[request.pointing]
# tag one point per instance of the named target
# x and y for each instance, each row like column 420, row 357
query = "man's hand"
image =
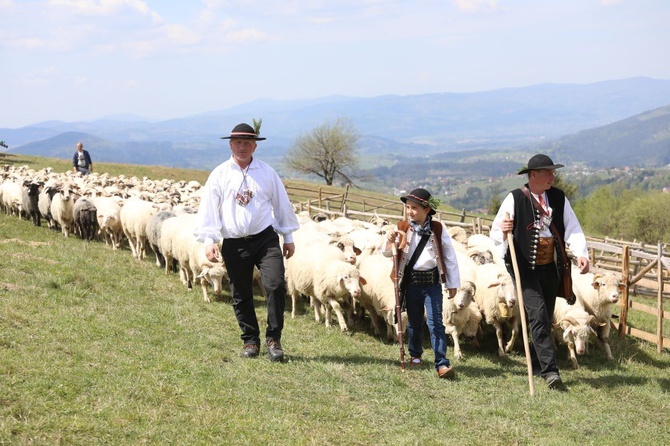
column 507, row 225
column 583, row 265
column 212, row 253
column 452, row 292
column 289, row 249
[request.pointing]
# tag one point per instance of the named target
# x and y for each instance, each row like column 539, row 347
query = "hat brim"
column 554, row 167
column 404, row 200
column 254, row 138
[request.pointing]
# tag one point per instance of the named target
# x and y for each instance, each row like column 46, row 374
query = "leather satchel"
column 565, row 281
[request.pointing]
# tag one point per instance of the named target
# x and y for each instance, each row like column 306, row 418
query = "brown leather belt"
column 545, row 251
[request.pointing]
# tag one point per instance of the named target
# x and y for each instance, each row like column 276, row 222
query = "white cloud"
column 610, row 2
column 246, row 36
column 104, row 7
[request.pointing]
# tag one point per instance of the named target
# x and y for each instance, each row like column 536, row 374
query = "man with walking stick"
column 541, row 221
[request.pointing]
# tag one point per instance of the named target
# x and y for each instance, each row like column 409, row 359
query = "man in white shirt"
column 245, row 205
column 539, row 253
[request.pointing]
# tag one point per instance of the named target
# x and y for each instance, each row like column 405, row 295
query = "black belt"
column 249, row 238
column 430, row 277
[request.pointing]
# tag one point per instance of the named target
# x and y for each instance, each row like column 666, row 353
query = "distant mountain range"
column 614, row 123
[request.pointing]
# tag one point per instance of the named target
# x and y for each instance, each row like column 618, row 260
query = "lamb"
column 573, row 325
column 461, row 315
column 597, row 293
column 319, row 274
column 209, row 273
column 62, row 209
column 109, row 220
column 30, row 204
column 496, row 297
column 85, row 218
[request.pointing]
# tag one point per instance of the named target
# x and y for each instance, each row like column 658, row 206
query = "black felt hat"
column 421, row 196
column 243, row 131
column 539, row 162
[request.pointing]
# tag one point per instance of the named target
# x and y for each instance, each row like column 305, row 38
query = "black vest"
column 526, row 235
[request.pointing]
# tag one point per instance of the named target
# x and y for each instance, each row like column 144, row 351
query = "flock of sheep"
column 336, row 263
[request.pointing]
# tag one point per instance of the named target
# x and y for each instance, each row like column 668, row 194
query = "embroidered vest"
column 435, row 241
column 526, row 235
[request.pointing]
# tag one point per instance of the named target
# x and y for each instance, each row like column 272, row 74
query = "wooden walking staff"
column 398, row 309
column 522, row 310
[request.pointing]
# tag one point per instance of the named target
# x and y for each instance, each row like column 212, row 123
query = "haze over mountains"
column 611, row 123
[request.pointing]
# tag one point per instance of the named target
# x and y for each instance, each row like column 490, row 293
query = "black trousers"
column 539, row 299
column 241, row 255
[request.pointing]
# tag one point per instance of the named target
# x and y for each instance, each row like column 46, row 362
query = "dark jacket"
column 87, row 159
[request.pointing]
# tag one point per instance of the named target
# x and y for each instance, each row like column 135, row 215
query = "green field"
column 99, row 348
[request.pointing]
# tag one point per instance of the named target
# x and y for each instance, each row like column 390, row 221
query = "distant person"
column 245, row 205
column 426, row 265
column 81, row 161
column 539, row 247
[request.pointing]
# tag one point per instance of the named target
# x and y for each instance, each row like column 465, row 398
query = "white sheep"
column 135, row 214
column 496, row 297
column 62, row 209
column 109, row 220
column 44, row 203
column 12, row 197
column 597, row 293
column 573, row 325
column 320, row 274
column 378, row 291
column 461, row 315
column 483, row 249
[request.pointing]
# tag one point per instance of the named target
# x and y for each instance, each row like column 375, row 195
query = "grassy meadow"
column 99, row 348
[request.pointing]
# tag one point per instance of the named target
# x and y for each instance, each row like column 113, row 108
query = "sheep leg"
column 499, row 335
column 453, row 331
column 515, row 334
column 338, row 312
column 317, row 310
column 571, row 353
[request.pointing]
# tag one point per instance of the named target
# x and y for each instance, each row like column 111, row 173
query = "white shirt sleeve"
column 208, row 221
column 574, row 236
column 450, row 262
column 496, row 231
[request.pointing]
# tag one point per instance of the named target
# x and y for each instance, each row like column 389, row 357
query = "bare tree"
column 328, row 151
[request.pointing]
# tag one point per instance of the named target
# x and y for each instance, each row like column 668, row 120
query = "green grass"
column 98, row 348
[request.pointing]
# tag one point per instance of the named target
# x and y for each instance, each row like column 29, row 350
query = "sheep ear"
column 622, row 287
column 362, row 281
column 494, row 284
column 357, row 251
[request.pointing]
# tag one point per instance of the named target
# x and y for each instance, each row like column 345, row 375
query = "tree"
column 328, row 151
column 495, row 201
column 571, row 190
column 3, row 144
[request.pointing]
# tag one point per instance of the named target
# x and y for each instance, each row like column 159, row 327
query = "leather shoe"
column 275, row 352
column 446, row 372
column 249, row 351
column 554, row 381
column 415, row 361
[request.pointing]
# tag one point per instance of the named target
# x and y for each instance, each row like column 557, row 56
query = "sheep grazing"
column 597, row 293
column 62, row 209
column 85, row 218
column 573, row 325
column 461, row 315
column 31, row 192
column 321, row 275
column 496, row 297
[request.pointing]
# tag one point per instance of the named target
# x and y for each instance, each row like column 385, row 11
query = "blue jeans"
column 418, row 297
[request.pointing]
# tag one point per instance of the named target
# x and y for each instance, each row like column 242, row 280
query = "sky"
column 80, row 60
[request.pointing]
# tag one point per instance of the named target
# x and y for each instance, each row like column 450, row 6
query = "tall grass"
column 99, row 348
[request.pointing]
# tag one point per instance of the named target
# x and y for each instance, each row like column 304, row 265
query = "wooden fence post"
column 623, row 316
column 320, row 204
column 344, row 196
column 659, row 319
column 463, row 216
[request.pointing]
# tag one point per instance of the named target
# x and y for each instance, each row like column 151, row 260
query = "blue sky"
column 84, row 59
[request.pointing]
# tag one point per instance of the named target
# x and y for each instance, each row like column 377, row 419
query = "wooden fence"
column 645, row 270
